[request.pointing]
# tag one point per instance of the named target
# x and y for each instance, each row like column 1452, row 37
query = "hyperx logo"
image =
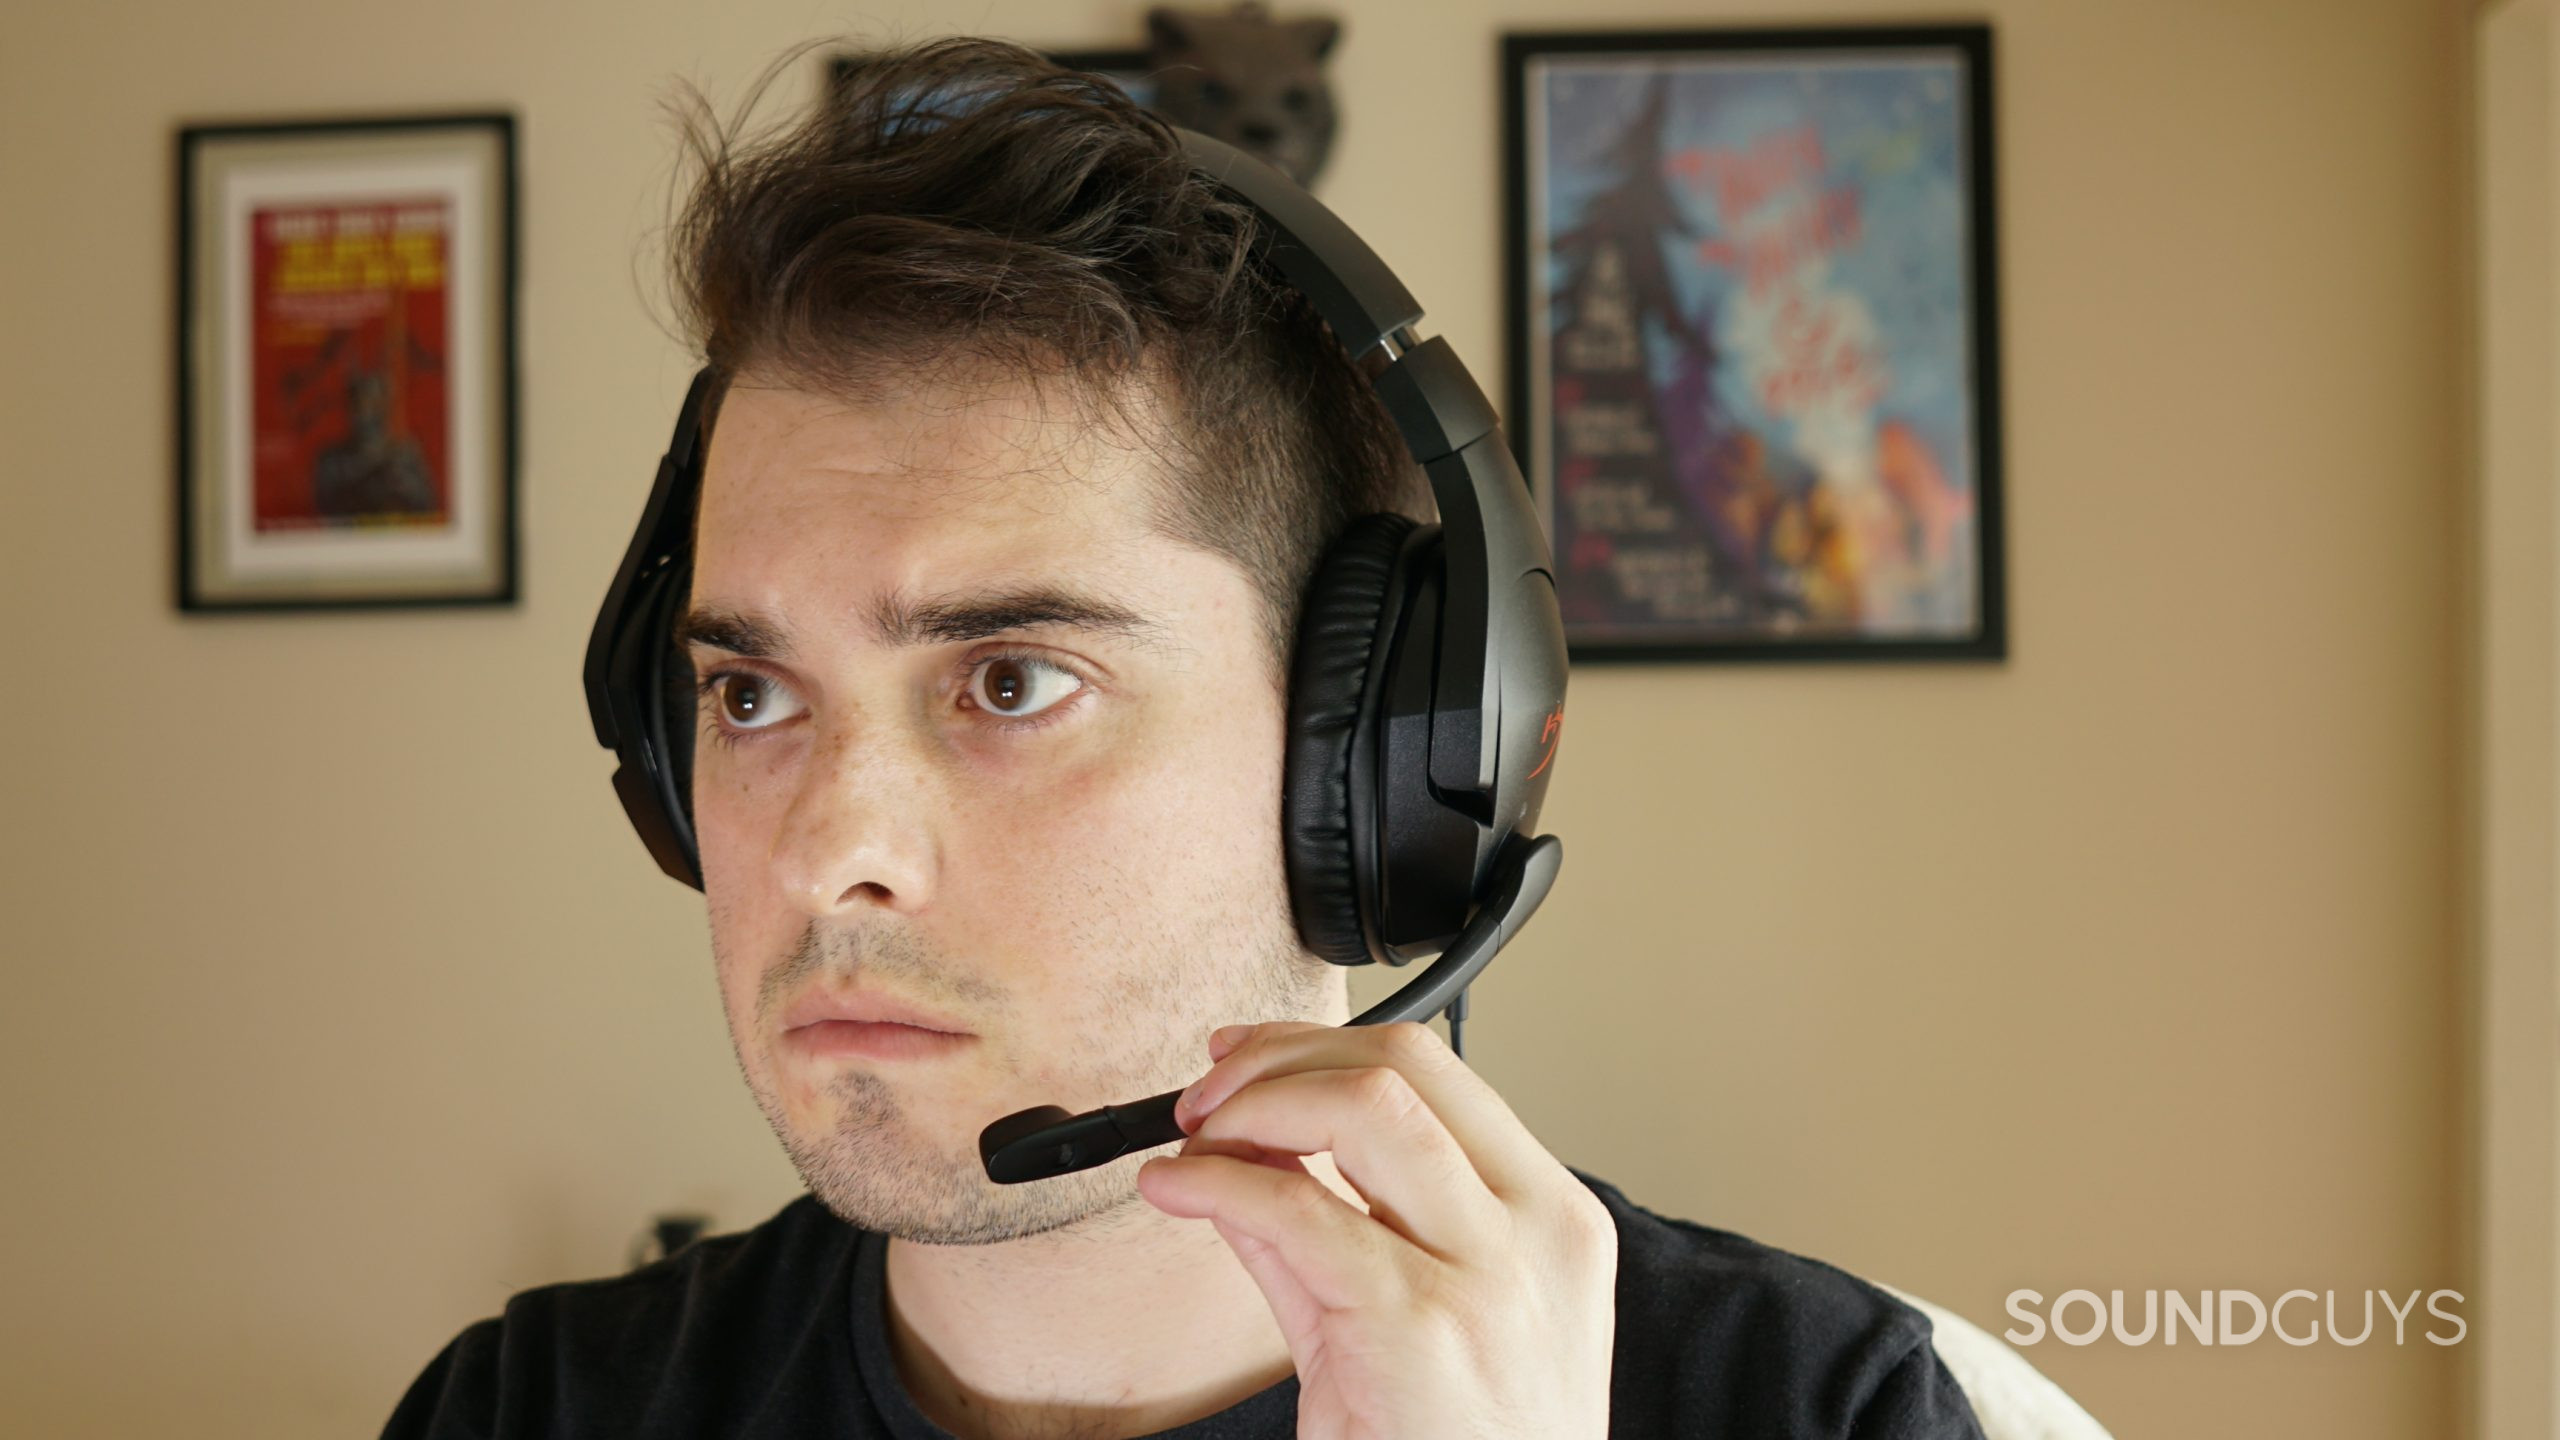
column 1547, row 737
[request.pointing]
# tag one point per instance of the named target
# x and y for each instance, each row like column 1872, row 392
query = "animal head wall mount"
column 1245, row 78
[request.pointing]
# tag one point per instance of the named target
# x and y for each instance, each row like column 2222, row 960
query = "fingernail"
column 1228, row 1037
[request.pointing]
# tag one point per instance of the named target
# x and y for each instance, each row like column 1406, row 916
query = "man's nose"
column 859, row 831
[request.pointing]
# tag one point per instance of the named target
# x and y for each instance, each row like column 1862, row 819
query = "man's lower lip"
column 875, row 1040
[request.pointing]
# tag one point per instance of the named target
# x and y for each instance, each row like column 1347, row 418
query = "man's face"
column 987, row 766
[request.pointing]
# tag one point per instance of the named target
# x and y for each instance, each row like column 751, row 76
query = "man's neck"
column 1126, row 1324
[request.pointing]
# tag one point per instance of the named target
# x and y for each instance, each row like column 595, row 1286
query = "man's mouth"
column 872, row 1027
column 874, row 1040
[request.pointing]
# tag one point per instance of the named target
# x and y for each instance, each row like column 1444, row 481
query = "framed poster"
column 346, row 363
column 1754, row 340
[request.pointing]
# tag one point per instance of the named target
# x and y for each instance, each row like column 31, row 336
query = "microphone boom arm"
column 1043, row 1142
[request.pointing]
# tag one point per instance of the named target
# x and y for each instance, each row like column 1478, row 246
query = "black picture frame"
column 1739, row 614
column 410, row 522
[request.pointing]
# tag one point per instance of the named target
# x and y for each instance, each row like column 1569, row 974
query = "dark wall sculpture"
column 1248, row 79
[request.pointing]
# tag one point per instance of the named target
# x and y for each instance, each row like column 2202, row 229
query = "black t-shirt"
column 779, row 1331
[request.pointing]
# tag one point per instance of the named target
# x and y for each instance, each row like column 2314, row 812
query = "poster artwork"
column 350, row 330
column 1756, row 355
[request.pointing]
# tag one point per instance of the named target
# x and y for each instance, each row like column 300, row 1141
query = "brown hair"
column 966, row 201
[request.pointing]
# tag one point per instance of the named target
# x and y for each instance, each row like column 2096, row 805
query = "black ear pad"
column 677, row 705
column 652, row 681
column 1338, row 631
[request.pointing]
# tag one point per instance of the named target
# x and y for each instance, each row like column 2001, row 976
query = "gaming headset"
column 1425, row 695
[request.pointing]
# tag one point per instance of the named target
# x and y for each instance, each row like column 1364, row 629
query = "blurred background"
column 341, row 1002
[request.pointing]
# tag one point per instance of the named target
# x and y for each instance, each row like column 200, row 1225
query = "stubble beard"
column 879, row 1169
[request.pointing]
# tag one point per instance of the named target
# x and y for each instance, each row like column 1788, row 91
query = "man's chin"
column 879, row 1169
column 936, row 1198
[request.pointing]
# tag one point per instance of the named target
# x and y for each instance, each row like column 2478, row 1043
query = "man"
column 1019, row 473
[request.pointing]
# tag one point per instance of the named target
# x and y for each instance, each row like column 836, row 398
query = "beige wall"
column 340, row 1002
column 2514, row 740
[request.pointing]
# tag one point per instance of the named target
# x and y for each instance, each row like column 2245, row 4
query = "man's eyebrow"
column 899, row 621
column 739, row 634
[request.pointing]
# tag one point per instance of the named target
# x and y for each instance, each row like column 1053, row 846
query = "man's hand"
column 1476, row 1297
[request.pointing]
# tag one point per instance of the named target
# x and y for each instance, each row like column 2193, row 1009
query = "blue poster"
column 1755, row 391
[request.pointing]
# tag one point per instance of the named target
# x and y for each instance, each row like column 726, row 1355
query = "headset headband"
column 1449, row 429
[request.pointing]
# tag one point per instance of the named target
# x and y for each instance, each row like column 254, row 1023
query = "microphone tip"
column 1016, row 1126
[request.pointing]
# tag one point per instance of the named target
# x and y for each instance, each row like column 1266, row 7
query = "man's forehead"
column 1057, row 536
column 941, row 429
column 973, row 477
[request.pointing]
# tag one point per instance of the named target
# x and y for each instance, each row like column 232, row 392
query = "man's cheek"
column 722, row 821
column 738, row 1003
column 1114, row 796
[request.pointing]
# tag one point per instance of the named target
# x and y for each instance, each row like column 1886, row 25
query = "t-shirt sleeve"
column 1918, row 1399
column 455, row 1397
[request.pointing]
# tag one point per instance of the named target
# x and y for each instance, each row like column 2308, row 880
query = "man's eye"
column 749, row 702
column 1015, row 686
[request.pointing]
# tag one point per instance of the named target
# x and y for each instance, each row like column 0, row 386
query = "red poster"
column 350, row 328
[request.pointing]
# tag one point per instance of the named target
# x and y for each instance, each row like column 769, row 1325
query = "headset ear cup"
column 678, row 718
column 642, row 672
column 672, row 713
column 1337, row 637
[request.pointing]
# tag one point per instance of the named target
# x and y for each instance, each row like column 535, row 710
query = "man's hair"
column 966, row 203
